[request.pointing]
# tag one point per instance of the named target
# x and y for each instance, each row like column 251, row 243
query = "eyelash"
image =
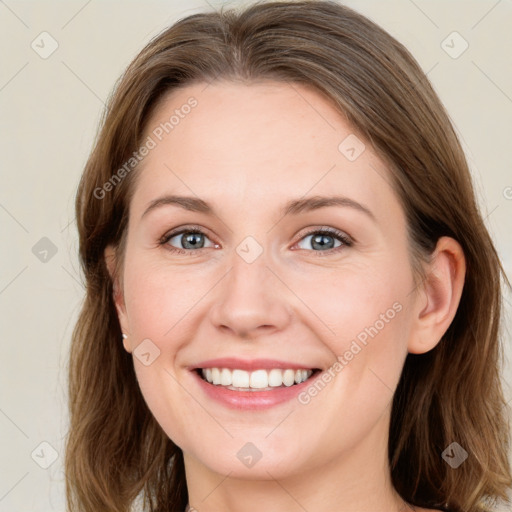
column 342, row 237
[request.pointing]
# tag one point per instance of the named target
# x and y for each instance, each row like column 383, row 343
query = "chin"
column 247, row 462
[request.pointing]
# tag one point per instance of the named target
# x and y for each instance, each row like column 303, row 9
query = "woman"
column 292, row 300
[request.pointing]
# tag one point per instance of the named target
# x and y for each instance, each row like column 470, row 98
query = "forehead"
column 254, row 141
column 272, row 120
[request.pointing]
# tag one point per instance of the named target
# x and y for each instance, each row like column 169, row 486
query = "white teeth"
column 275, row 377
column 240, row 378
column 259, row 379
column 225, row 377
column 256, row 380
column 289, row 377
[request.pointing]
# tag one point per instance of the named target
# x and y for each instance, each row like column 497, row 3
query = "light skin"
column 247, row 149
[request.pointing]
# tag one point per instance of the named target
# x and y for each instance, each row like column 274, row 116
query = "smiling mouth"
column 257, row 380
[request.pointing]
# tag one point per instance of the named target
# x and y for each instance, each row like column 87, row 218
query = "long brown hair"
column 116, row 451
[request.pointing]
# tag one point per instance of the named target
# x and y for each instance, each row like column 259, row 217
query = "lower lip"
column 254, row 400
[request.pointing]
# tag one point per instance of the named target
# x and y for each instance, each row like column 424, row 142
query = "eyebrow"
column 292, row 207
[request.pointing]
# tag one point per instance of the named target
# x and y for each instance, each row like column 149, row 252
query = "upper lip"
column 234, row 363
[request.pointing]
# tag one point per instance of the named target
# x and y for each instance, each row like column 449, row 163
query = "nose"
column 251, row 300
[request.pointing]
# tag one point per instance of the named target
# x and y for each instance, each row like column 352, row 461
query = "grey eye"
column 189, row 240
column 322, row 241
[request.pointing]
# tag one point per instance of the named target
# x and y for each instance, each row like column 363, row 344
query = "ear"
column 118, row 296
column 439, row 296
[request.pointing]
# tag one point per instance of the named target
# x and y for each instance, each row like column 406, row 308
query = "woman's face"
column 265, row 169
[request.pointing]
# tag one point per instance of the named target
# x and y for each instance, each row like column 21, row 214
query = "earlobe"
column 126, row 343
column 440, row 296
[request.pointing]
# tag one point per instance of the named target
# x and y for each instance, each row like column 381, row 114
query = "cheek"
column 157, row 298
column 372, row 347
column 359, row 304
column 159, row 304
column 368, row 312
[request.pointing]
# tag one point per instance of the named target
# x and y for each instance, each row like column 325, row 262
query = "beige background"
column 49, row 110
